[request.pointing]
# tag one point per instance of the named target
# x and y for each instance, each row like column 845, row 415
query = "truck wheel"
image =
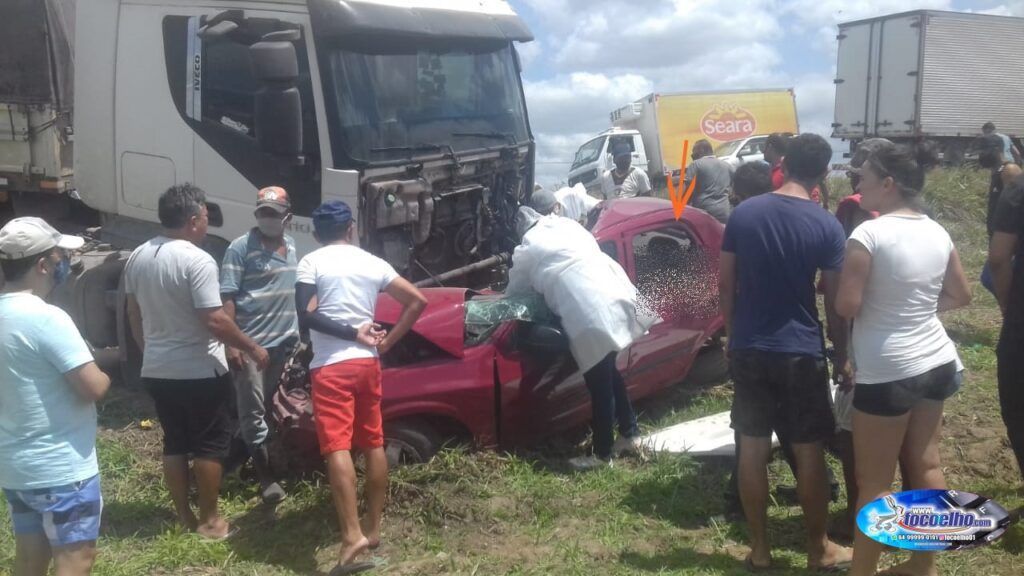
column 412, row 441
column 131, row 356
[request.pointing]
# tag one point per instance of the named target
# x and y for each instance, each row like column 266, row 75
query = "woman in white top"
column 901, row 269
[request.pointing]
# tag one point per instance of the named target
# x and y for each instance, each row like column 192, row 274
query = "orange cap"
column 273, row 197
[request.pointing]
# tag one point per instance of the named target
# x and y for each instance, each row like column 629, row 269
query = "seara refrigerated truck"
column 656, row 126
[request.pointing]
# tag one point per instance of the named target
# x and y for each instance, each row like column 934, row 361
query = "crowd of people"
column 215, row 337
column 214, row 340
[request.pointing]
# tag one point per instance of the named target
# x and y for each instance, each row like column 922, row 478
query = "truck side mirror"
column 278, row 102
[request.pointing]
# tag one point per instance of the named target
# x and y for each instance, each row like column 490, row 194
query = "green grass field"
column 484, row 513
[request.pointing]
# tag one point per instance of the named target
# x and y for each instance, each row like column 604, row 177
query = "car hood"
column 443, row 322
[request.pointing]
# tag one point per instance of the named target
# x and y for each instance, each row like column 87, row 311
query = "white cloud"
column 1015, row 8
column 598, row 55
column 568, row 109
column 821, row 17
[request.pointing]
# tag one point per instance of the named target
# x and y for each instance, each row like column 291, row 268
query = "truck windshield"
column 392, row 106
column 588, row 152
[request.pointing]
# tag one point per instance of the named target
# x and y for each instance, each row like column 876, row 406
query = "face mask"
column 62, row 271
column 272, row 227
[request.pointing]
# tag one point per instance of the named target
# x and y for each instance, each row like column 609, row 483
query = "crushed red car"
column 515, row 383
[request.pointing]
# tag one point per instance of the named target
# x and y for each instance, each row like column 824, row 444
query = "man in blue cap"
column 345, row 370
column 624, row 181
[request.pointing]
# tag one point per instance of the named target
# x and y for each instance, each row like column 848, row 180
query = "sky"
column 590, row 57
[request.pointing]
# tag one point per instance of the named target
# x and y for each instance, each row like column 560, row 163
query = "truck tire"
column 411, row 441
column 131, row 355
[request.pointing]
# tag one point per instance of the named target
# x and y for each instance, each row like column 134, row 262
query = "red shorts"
column 346, row 405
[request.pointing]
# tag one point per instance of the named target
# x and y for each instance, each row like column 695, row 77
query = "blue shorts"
column 66, row 514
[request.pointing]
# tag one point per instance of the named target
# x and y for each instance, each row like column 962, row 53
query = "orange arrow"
column 681, row 198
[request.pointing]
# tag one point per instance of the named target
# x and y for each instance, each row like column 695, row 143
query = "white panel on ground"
column 707, row 436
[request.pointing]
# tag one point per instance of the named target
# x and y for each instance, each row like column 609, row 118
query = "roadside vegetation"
column 484, row 513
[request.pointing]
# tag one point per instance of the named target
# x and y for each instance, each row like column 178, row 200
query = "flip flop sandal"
column 352, row 568
column 207, row 540
column 832, row 568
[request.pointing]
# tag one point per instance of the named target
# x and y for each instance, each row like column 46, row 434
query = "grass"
column 485, row 513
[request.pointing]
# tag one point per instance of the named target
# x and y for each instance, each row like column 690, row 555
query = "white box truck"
column 656, row 126
column 929, row 74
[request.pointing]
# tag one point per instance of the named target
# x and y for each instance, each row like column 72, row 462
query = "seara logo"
column 933, row 520
column 727, row 121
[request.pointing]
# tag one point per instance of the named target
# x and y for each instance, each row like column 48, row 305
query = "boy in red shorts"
column 345, row 369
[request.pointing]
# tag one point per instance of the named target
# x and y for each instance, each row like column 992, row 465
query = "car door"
column 540, row 394
column 752, row 150
column 676, row 278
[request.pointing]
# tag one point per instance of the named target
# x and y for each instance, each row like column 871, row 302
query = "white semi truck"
column 411, row 111
column 929, row 75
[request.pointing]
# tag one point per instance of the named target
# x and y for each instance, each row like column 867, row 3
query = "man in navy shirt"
column 774, row 246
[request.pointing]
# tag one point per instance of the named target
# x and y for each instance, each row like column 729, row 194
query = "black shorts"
column 195, row 415
column 787, row 393
column 898, row 397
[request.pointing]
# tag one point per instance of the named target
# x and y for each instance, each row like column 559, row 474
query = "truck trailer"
column 36, row 100
column 928, row 75
column 655, row 127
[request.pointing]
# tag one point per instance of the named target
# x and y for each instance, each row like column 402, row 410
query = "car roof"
column 617, row 214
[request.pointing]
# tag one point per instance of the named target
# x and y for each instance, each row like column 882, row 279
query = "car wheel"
column 411, row 441
column 709, row 367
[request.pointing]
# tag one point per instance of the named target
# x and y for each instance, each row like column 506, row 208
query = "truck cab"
column 414, row 116
column 410, row 112
column 595, row 157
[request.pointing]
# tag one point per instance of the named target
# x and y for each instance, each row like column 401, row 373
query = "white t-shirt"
column 171, row 279
column 897, row 333
column 575, row 201
column 348, row 280
column 636, row 183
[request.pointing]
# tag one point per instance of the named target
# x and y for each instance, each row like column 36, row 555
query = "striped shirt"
column 262, row 283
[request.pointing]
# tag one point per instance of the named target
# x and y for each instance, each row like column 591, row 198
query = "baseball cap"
column 29, row 236
column 273, row 197
column 621, row 149
column 331, row 215
column 543, row 201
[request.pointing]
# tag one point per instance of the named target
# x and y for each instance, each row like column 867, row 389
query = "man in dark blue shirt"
column 773, row 248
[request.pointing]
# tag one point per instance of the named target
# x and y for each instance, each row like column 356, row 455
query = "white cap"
column 28, row 236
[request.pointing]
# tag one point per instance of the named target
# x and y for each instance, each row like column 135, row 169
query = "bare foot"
column 216, row 529
column 834, row 556
column 916, row 566
column 349, row 552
